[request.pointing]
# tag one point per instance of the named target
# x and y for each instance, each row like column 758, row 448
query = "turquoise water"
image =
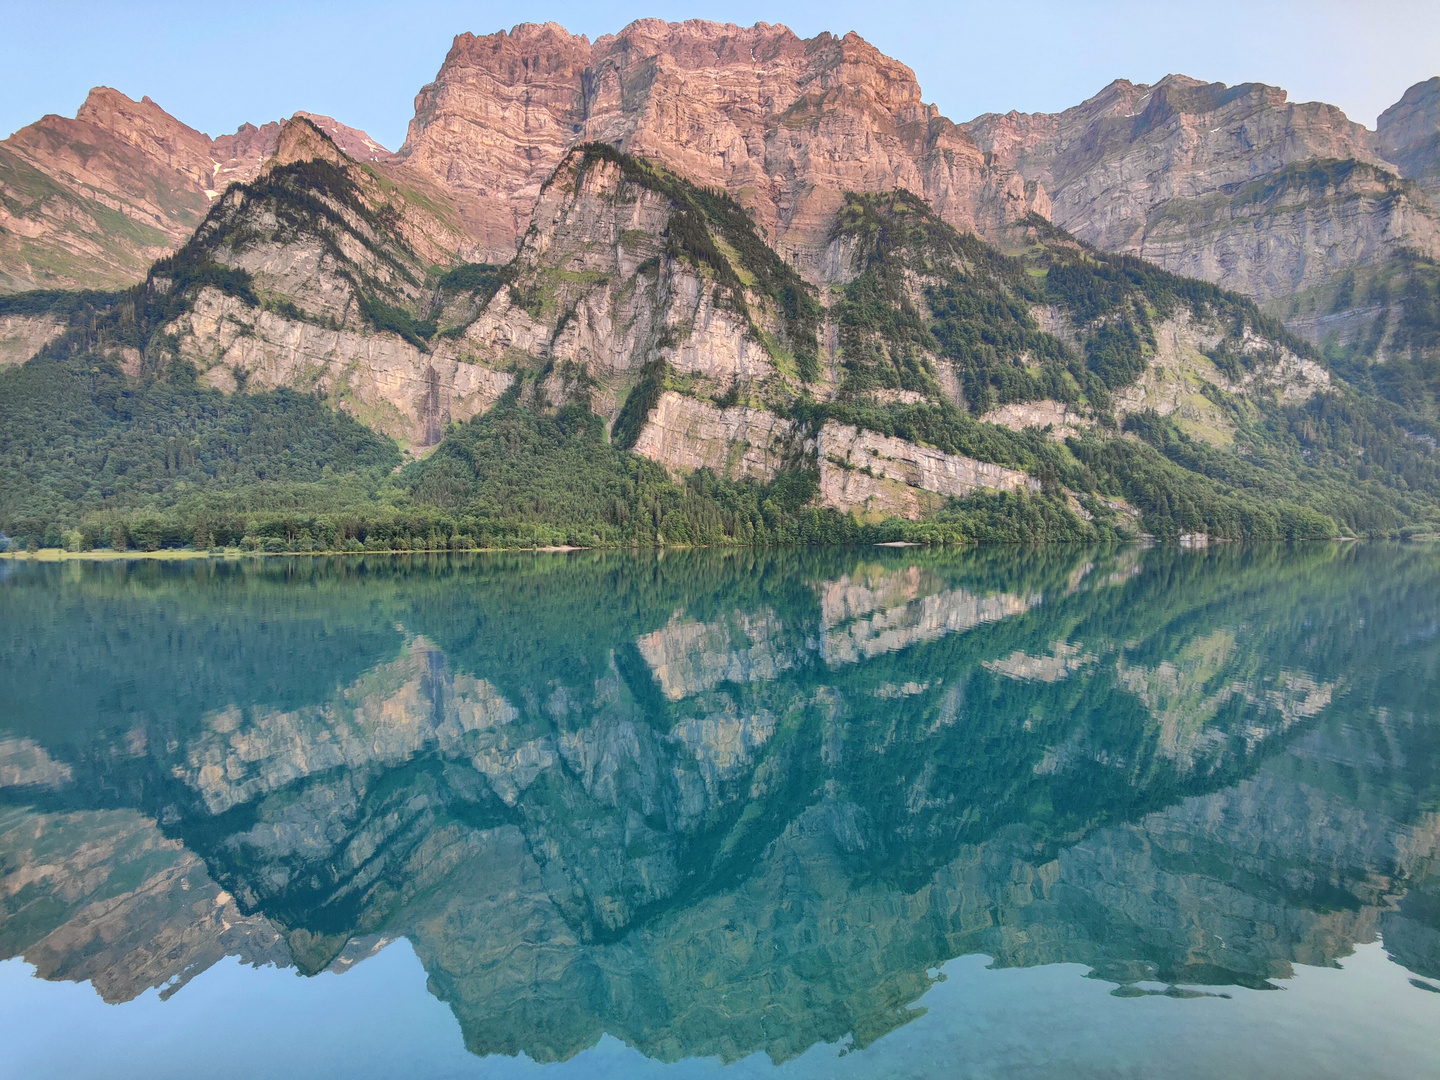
column 1007, row 812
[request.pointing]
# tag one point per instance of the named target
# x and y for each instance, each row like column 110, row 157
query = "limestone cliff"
column 22, row 336
column 909, row 333
column 336, row 292
column 1408, row 135
column 624, row 265
column 1316, row 216
column 1235, row 185
column 782, row 123
column 313, row 264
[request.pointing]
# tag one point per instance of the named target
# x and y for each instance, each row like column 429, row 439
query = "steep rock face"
column 1297, row 230
column 381, row 379
column 103, row 896
column 685, row 434
column 1408, row 134
column 878, row 475
column 22, row 336
column 860, row 471
column 91, row 202
column 329, row 279
column 784, row 124
column 152, row 131
column 1235, row 185
column 596, row 286
column 604, row 283
column 81, row 206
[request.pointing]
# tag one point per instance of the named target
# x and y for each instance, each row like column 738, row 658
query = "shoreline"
column 187, row 554
column 57, row 555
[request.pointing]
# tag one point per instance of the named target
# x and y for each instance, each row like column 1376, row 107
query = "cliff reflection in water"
column 715, row 803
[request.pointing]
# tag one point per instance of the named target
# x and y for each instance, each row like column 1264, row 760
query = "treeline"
column 516, row 477
column 990, row 517
column 78, row 436
column 95, row 459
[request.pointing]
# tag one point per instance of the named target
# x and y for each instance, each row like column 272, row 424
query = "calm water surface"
column 1057, row 812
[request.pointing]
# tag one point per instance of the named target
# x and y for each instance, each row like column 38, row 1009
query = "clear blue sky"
column 216, row 65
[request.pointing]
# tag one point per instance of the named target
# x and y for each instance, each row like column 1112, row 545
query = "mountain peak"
column 150, row 129
column 301, row 139
column 1415, row 116
column 787, row 125
column 354, row 142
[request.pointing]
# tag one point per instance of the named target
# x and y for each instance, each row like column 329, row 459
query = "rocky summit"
column 786, row 125
column 696, row 283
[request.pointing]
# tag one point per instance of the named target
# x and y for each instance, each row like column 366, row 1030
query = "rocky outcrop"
column 354, row 142
column 382, row 380
column 91, row 202
column 784, row 124
column 873, row 474
column 685, row 434
column 25, row 764
column 861, row 471
column 324, row 282
column 1181, row 378
column 1059, row 417
column 22, row 336
column 597, row 286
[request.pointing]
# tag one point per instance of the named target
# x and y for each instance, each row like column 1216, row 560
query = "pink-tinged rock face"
column 127, row 157
column 784, row 124
column 1412, row 119
column 1408, row 134
column 151, row 130
column 355, row 143
column 1233, row 184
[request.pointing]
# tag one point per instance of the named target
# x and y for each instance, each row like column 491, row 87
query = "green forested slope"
column 1345, row 461
column 79, row 438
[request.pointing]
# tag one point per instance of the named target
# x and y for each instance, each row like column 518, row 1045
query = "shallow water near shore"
column 836, row 812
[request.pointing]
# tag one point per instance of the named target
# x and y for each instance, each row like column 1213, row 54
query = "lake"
column 815, row 813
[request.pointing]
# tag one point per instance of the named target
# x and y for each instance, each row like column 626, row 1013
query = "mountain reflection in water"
column 719, row 803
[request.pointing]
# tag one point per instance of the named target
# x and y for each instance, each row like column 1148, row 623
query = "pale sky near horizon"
column 215, row 67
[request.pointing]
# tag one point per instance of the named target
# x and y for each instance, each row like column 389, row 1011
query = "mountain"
column 785, row 125
column 1185, row 174
column 92, row 202
column 795, row 343
column 1058, row 393
column 1331, row 226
